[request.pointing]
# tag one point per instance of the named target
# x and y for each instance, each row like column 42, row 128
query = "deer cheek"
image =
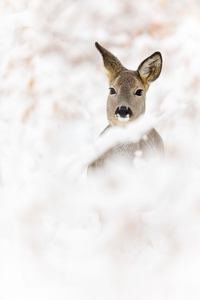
column 110, row 113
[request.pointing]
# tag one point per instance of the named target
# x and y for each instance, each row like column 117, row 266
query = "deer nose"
column 123, row 111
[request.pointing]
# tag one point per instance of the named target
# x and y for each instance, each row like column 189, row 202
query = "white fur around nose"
column 125, row 119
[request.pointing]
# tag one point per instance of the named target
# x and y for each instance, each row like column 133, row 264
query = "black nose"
column 123, row 111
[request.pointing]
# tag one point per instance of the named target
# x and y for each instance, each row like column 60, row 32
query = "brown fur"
column 126, row 83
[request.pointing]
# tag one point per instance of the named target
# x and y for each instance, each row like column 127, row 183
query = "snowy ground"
column 129, row 233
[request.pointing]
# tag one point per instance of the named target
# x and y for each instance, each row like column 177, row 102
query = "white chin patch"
column 125, row 119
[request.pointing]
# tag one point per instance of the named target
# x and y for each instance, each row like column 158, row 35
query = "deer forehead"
column 129, row 80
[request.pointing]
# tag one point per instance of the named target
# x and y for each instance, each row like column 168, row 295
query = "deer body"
column 126, row 102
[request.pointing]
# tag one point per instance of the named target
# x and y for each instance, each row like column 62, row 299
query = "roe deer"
column 126, row 102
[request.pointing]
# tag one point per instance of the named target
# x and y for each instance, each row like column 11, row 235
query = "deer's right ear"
column 111, row 63
column 150, row 68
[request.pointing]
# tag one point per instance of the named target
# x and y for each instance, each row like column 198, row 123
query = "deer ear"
column 111, row 63
column 150, row 68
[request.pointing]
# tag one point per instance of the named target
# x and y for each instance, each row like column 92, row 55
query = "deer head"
column 127, row 88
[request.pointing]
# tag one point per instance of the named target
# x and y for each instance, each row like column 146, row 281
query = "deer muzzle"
column 123, row 113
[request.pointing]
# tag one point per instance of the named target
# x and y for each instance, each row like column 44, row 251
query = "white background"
column 128, row 232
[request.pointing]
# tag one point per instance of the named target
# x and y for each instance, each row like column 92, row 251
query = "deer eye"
column 139, row 92
column 112, row 91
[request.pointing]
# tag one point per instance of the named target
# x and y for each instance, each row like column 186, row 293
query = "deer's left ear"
column 112, row 64
column 149, row 70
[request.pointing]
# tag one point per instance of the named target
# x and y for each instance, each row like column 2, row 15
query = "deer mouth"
column 123, row 113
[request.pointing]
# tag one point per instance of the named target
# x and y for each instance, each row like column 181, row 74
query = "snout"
column 123, row 113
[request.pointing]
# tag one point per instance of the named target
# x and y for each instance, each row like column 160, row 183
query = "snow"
column 127, row 232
